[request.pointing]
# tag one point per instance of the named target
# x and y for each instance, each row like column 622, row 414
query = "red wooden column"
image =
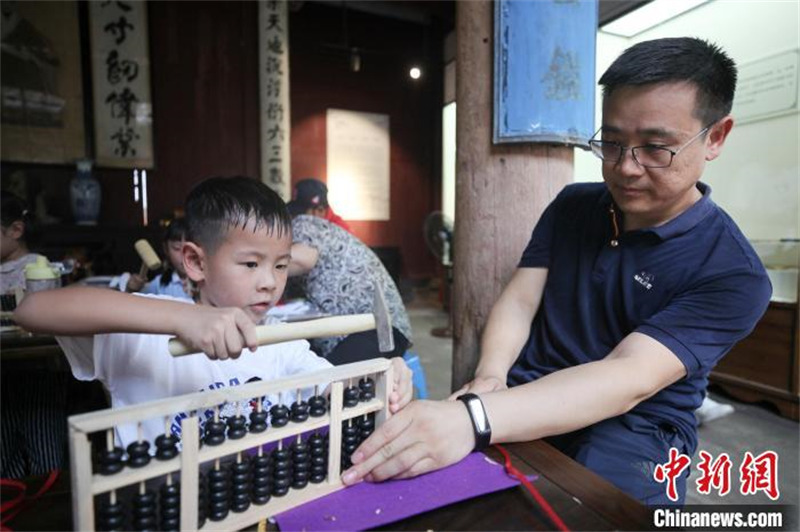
column 501, row 190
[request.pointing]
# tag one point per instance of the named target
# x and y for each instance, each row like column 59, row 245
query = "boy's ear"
column 16, row 230
column 194, row 261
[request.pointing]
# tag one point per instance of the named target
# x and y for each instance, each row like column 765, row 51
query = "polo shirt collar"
column 685, row 221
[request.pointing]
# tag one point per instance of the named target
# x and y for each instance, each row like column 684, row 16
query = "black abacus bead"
column 166, row 447
column 351, row 396
column 240, row 486
column 218, row 494
column 300, row 411
column 281, row 472
column 170, row 506
column 279, row 416
column 258, row 421
column 110, row 516
column 214, row 432
column 301, row 464
column 262, row 479
column 366, row 426
column 144, row 511
column 202, row 500
column 237, row 427
column 110, row 462
column 318, row 406
column 367, row 387
column 139, row 454
column 350, row 441
column 318, row 447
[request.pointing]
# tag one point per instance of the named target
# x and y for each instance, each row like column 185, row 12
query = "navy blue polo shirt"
column 693, row 284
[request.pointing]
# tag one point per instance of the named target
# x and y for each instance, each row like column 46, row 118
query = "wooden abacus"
column 263, row 484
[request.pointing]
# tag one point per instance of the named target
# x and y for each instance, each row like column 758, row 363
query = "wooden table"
column 582, row 499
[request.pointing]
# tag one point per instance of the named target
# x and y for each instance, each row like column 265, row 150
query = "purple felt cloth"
column 367, row 505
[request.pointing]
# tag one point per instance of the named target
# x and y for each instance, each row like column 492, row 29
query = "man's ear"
column 194, row 261
column 717, row 136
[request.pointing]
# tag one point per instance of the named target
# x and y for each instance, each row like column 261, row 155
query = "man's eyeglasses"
column 647, row 156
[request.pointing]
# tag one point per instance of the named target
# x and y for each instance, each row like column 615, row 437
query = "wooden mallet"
column 380, row 319
column 150, row 260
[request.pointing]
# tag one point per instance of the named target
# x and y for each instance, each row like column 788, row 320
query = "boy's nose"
column 266, row 281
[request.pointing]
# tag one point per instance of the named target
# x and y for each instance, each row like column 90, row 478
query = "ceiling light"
column 649, row 16
column 415, row 73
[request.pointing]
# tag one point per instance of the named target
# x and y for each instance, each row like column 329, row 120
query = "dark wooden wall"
column 204, row 78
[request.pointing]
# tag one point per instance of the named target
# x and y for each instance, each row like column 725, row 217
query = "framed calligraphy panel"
column 42, row 93
column 121, row 82
column 273, row 57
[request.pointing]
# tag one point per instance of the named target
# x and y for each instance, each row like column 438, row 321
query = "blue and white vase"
column 84, row 192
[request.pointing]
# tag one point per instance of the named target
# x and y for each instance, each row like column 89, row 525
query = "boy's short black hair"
column 219, row 203
column 687, row 59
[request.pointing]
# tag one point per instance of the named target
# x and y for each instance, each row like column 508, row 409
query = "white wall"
column 756, row 178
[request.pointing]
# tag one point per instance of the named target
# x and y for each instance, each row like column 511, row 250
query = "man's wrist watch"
column 480, row 421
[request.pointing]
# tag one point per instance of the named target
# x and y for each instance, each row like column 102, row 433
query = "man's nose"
column 627, row 164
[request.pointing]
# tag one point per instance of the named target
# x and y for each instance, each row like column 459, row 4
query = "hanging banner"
column 123, row 123
column 273, row 58
column 544, row 63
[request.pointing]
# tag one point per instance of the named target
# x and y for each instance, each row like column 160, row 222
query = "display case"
column 765, row 366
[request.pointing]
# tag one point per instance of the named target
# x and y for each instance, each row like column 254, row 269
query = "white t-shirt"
column 135, row 368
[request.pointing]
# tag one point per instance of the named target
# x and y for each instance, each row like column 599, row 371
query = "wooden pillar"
column 501, row 190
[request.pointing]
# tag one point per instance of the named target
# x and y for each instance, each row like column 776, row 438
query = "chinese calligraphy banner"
column 121, row 82
column 273, row 57
column 544, row 61
column 42, row 93
column 358, row 164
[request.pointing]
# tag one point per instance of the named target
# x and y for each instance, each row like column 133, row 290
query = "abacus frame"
column 86, row 484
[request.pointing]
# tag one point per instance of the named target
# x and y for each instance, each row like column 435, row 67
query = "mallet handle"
column 284, row 332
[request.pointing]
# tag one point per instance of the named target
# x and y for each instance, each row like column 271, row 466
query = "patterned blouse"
column 341, row 281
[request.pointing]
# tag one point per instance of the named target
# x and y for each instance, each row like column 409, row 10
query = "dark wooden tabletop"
column 583, row 500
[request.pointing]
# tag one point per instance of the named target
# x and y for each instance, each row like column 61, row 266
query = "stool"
column 417, row 374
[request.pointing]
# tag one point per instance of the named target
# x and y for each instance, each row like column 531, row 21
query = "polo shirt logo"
column 645, row 279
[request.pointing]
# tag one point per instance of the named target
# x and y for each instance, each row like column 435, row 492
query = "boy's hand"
column 135, row 283
column 402, row 390
column 220, row 333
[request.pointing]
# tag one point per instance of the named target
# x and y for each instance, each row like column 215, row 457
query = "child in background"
column 237, row 253
column 16, row 226
column 172, row 281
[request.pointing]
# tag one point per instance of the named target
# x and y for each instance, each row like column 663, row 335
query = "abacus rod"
column 190, row 471
column 104, row 419
column 80, row 451
column 335, row 433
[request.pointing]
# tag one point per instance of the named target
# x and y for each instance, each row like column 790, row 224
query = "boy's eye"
column 282, row 266
column 251, row 264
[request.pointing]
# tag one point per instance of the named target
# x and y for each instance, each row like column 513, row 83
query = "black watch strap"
column 480, row 421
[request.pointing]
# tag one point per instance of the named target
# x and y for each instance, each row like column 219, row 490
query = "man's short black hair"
column 220, row 203
column 687, row 59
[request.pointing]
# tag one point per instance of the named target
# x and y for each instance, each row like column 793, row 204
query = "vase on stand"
column 84, row 192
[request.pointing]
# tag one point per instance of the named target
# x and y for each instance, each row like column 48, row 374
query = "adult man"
column 625, row 298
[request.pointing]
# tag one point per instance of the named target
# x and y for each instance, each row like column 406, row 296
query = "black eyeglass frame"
column 597, row 147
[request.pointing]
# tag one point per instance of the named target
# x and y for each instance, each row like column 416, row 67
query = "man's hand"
column 480, row 385
column 220, row 333
column 422, row 437
column 402, row 389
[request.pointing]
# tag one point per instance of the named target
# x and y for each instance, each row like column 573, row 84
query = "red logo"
column 716, row 474
column 672, row 470
column 760, row 474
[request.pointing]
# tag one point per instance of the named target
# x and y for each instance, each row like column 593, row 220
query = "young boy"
column 237, row 253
